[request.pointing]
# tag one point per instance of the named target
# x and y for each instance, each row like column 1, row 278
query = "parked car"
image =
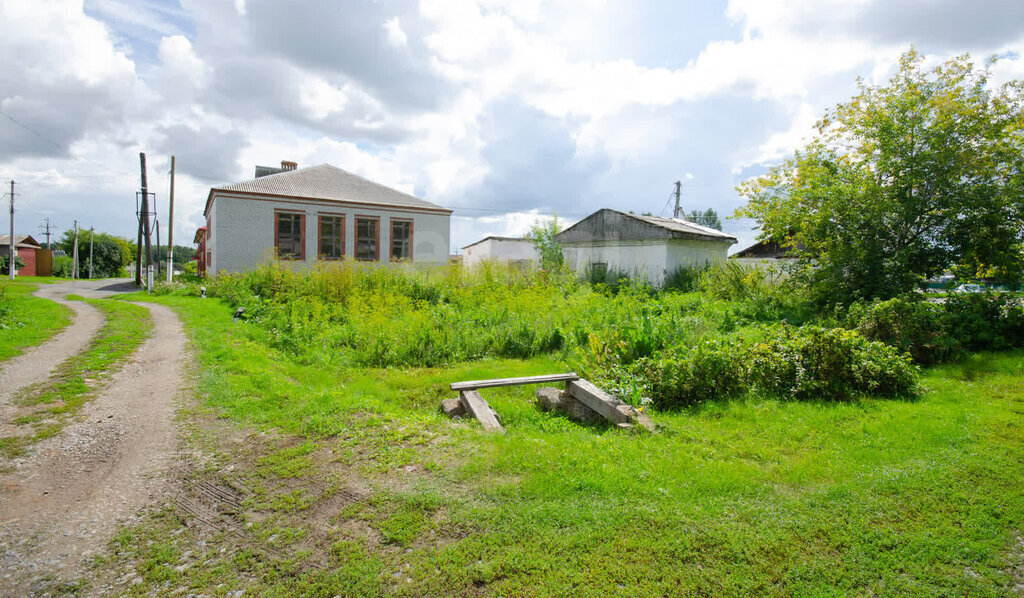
column 969, row 288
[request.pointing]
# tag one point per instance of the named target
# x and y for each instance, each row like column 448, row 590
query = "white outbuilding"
column 510, row 250
column 643, row 247
column 319, row 214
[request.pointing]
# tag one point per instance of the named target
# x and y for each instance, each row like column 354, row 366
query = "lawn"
column 27, row 321
column 352, row 483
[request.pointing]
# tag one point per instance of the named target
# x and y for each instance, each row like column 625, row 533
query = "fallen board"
column 496, row 382
column 609, row 407
column 476, row 405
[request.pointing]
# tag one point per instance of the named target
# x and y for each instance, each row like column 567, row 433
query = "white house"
column 319, row 214
column 646, row 247
column 501, row 249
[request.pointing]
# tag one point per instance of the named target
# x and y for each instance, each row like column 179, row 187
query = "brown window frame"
column 391, row 237
column 302, row 234
column 320, row 235
column 376, row 243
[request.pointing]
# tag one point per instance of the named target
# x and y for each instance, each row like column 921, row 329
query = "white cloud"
column 406, row 93
column 395, row 36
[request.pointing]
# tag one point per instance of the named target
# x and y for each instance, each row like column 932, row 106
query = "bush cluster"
column 936, row 333
column 812, row 362
column 806, row 363
column 909, row 324
column 985, row 321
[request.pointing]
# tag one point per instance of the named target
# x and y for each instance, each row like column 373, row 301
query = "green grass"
column 79, row 377
column 27, row 321
column 749, row 497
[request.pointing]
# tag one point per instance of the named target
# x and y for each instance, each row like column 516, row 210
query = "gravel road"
column 62, row 502
column 36, row 364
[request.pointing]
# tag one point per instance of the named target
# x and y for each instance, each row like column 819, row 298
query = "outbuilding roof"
column 326, row 182
column 613, row 225
column 20, row 241
column 497, row 238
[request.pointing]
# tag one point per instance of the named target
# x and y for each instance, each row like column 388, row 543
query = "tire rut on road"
column 37, row 363
column 63, row 503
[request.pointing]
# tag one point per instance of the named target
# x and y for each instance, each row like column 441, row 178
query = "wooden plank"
column 607, row 406
column 476, row 405
column 495, row 382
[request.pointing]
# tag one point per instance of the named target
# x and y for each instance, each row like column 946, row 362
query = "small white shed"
column 511, row 250
column 645, row 247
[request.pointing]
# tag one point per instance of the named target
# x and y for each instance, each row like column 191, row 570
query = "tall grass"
column 347, row 315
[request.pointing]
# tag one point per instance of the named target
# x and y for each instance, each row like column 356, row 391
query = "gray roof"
column 326, row 182
column 613, row 225
column 21, row 240
column 497, row 238
column 684, row 226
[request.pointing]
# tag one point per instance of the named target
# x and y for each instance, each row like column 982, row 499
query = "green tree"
column 903, row 182
column 708, row 218
column 110, row 254
column 180, row 255
column 18, row 263
column 542, row 233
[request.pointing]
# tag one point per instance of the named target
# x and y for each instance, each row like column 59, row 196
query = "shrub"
column 811, row 362
column 682, row 377
column 985, row 321
column 908, row 324
column 18, row 263
column 62, row 266
column 5, row 308
column 684, row 279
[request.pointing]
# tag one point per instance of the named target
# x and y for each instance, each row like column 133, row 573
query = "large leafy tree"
column 903, row 182
column 110, row 254
column 708, row 218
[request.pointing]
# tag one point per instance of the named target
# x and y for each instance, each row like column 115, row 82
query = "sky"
column 506, row 111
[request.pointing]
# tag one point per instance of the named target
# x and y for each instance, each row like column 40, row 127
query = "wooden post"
column 476, row 405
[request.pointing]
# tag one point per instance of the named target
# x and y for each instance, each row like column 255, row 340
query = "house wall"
column 692, row 253
column 240, row 231
column 28, row 254
column 777, row 268
column 651, row 260
column 638, row 259
column 500, row 250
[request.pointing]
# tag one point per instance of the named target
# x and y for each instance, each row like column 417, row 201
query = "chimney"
column 286, row 165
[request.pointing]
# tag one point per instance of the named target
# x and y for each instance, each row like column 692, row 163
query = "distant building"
column 319, row 214
column 765, row 254
column 200, row 258
column 513, row 250
column 645, row 247
column 38, row 261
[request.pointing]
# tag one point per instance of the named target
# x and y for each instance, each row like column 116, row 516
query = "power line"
column 53, row 143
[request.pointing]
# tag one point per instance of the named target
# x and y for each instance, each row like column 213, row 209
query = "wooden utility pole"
column 12, row 263
column 46, row 231
column 170, row 229
column 138, row 244
column 157, row 223
column 146, row 232
column 678, row 212
column 74, row 255
column 92, row 234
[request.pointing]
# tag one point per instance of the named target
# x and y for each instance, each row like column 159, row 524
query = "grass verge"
column 27, row 321
column 46, row 407
column 349, row 482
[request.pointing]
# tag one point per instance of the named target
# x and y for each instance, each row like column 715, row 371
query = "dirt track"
column 63, row 501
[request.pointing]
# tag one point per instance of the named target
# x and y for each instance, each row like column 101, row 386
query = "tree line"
column 110, row 254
